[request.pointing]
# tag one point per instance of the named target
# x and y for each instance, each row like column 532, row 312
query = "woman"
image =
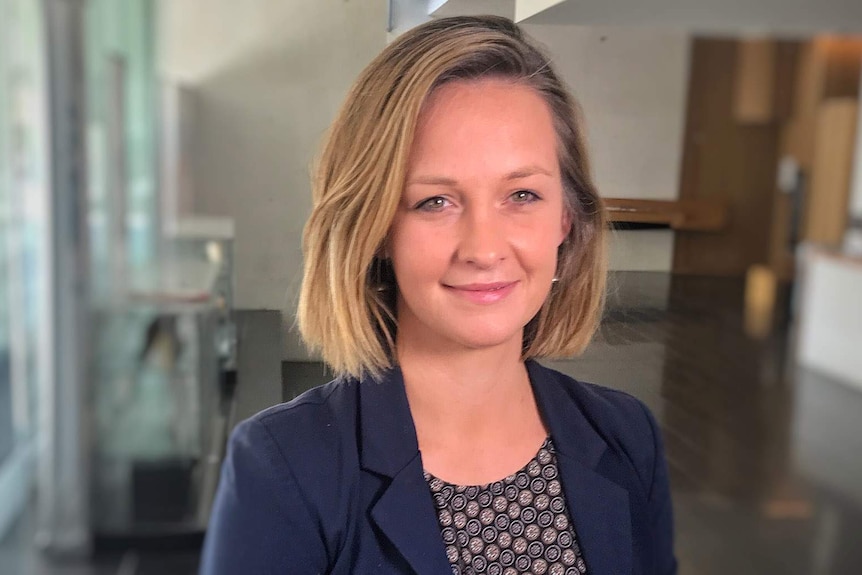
column 456, row 236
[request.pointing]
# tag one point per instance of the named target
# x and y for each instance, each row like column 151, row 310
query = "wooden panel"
column 829, row 193
column 827, row 67
column 841, row 57
column 786, row 72
column 781, row 253
column 725, row 162
column 754, row 90
column 796, row 140
column 691, row 215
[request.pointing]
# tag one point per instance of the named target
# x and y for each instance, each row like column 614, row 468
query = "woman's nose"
column 483, row 238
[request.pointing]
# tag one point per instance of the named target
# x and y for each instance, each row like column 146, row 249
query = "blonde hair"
column 347, row 301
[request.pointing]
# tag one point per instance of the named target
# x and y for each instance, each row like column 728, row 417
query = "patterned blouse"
column 513, row 526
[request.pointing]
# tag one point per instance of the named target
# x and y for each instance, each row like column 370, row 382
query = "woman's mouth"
column 483, row 293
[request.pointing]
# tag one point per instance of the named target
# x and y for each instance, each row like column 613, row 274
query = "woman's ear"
column 382, row 252
column 565, row 226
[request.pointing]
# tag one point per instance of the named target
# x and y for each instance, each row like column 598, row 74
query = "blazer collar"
column 599, row 507
column 387, row 434
column 405, row 512
column 573, row 434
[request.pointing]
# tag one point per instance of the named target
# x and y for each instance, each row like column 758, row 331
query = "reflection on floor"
column 764, row 457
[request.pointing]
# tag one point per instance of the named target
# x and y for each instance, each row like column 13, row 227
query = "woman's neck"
column 475, row 414
column 449, row 379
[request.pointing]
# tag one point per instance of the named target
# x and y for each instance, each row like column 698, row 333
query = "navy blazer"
column 332, row 482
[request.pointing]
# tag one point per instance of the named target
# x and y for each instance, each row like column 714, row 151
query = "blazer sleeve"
column 659, row 505
column 260, row 522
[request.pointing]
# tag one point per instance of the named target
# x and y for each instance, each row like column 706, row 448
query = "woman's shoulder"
column 605, row 404
column 620, row 419
column 306, row 432
column 286, row 471
column 317, row 401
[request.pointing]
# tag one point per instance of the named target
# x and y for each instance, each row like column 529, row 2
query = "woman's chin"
column 490, row 339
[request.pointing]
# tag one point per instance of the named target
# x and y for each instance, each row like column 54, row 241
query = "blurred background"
column 154, row 182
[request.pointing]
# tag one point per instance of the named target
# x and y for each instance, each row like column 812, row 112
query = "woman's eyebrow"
column 518, row 174
column 433, row 181
column 526, row 172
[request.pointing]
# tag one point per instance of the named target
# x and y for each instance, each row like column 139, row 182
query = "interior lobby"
column 155, row 165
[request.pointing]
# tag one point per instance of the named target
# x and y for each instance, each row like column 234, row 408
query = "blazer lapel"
column 599, row 507
column 600, row 511
column 404, row 512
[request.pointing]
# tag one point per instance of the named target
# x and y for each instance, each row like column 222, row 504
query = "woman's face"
column 474, row 241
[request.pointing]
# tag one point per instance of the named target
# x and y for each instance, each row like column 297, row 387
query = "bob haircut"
column 347, row 301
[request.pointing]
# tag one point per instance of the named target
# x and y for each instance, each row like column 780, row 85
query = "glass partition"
column 122, row 140
column 6, row 430
column 24, row 183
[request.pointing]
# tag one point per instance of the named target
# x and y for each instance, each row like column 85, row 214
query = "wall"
column 527, row 8
column 268, row 77
column 735, row 16
column 441, row 8
column 830, row 316
column 631, row 84
column 402, row 15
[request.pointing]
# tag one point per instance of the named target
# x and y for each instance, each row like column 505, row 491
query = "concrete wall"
column 632, row 84
column 267, row 77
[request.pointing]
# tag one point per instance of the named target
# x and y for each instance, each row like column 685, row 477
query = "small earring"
column 555, row 280
column 379, row 284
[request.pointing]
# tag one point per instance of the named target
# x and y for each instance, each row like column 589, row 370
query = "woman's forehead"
column 485, row 124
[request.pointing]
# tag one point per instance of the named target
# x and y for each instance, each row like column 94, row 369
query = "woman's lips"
column 483, row 293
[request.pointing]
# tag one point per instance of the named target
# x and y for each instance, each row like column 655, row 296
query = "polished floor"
column 765, row 457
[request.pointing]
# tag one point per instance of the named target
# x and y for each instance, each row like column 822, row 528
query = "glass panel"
column 5, row 356
column 121, row 92
column 24, row 182
column 5, row 367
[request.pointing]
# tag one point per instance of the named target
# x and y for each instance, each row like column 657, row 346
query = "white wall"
column 528, row 8
column 830, row 316
column 632, row 85
column 735, row 16
column 441, row 8
column 404, row 15
column 268, row 77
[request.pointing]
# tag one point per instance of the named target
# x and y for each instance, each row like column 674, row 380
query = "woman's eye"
column 433, row 204
column 524, row 197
